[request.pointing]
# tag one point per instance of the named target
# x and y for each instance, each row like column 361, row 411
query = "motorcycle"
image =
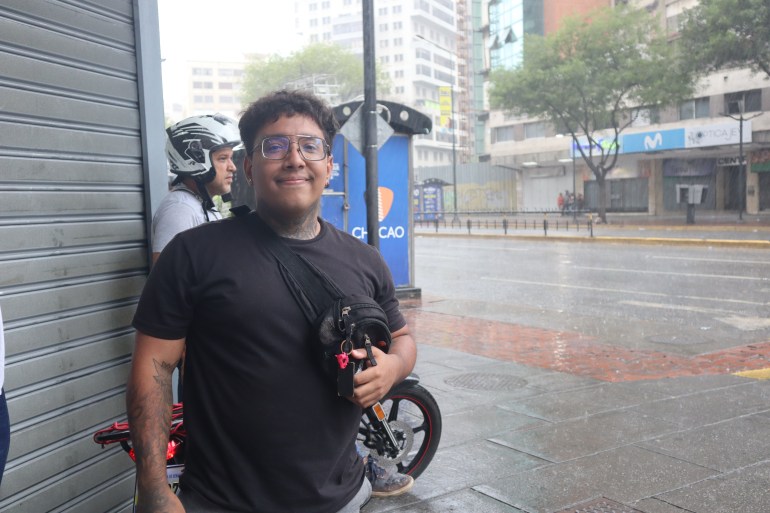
column 403, row 430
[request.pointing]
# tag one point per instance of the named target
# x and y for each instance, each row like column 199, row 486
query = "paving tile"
column 685, row 385
column 585, row 436
column 655, row 505
column 482, row 422
column 456, row 468
column 626, row 474
column 725, row 446
column 568, row 404
column 742, row 491
column 711, row 406
column 466, row 501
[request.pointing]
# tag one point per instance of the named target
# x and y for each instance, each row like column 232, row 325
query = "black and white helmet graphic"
column 190, row 142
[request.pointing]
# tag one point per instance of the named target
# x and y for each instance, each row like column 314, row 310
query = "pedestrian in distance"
column 266, row 430
column 560, row 203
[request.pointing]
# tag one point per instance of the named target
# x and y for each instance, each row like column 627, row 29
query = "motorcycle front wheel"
column 415, row 420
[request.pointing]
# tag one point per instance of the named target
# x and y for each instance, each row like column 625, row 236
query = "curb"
column 750, row 244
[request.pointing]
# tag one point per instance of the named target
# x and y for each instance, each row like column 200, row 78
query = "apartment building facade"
column 214, row 86
column 698, row 142
column 423, row 46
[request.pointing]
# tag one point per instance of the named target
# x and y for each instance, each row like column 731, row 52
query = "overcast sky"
column 219, row 29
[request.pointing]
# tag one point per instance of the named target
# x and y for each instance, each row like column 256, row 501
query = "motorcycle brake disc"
column 405, row 433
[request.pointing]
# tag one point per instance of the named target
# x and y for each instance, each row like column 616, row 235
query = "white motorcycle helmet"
column 190, row 142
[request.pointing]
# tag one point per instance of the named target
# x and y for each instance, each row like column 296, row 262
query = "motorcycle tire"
column 415, row 419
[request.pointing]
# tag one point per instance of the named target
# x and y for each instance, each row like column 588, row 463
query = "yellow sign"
column 445, row 106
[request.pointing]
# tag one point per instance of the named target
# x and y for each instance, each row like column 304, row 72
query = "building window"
column 226, row 99
column 203, row 85
column 751, row 101
column 383, row 11
column 226, row 85
column 532, row 130
column 202, row 72
column 502, row 134
column 696, row 108
column 423, row 70
column 644, row 116
column 383, row 27
column 398, row 41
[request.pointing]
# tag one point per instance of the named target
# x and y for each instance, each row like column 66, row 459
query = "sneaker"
column 386, row 482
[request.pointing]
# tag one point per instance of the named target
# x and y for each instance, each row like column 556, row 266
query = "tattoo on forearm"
column 163, row 372
column 149, row 415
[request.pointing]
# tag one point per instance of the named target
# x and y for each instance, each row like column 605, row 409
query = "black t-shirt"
column 266, row 431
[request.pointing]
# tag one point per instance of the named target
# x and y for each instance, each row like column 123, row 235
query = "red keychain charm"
column 342, row 360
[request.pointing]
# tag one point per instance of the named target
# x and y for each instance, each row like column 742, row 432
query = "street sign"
column 352, row 130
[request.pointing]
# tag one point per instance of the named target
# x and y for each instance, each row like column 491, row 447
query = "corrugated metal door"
column 73, row 251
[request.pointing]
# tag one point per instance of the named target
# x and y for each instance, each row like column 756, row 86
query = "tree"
column 591, row 78
column 323, row 61
column 727, row 33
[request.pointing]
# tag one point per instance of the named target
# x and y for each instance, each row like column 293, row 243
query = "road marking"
column 754, row 374
column 668, row 306
column 726, row 261
column 624, row 291
column 746, row 323
column 671, row 273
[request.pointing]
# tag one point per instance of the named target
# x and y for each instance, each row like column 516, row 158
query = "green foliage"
column 726, row 33
column 587, row 77
column 264, row 76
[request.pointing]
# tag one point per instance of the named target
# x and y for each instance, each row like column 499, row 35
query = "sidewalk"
column 539, row 422
column 723, row 229
column 527, row 438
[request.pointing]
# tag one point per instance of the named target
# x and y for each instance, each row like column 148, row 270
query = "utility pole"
column 370, row 128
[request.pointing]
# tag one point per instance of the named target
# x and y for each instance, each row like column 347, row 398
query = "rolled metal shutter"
column 73, row 243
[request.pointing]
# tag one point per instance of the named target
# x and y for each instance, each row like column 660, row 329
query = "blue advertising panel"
column 432, row 201
column 652, row 141
column 395, row 199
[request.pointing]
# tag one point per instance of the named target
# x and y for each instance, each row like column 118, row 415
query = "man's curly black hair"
column 269, row 108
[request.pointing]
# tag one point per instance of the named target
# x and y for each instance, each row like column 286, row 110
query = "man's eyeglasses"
column 276, row 147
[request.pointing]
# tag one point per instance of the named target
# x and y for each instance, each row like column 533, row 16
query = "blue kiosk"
column 343, row 202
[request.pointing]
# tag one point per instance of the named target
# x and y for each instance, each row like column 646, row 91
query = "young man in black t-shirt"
column 266, row 430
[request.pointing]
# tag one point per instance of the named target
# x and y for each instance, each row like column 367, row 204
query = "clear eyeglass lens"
column 276, row 148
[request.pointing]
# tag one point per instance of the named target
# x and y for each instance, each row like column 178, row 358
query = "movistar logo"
column 650, row 143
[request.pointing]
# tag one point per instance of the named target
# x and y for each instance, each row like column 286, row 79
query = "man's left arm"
column 373, row 383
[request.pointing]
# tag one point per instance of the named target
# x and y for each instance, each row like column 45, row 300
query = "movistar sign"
column 689, row 137
column 653, row 141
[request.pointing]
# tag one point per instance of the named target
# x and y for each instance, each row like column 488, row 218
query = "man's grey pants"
column 194, row 503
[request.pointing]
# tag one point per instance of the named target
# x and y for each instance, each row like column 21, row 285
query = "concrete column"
column 752, row 190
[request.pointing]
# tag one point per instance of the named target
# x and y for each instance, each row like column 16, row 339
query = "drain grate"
column 601, row 506
column 484, row 381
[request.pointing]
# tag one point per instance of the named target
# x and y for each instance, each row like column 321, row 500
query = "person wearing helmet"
column 200, row 153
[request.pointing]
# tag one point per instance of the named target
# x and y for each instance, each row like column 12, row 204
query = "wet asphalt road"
column 678, row 299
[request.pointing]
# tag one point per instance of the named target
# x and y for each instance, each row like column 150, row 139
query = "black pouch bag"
column 351, row 322
column 345, row 322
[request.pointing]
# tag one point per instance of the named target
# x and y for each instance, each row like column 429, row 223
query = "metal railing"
column 542, row 221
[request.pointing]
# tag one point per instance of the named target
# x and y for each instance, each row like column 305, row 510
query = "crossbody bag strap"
column 313, row 290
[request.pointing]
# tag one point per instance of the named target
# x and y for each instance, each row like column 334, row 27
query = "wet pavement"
column 549, row 421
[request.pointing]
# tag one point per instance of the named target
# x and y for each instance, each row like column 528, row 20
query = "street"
column 678, row 300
